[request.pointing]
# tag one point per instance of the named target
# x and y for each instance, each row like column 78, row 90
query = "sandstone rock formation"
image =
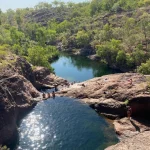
column 16, row 96
column 107, row 94
column 18, row 93
column 45, row 79
column 126, row 128
column 138, row 142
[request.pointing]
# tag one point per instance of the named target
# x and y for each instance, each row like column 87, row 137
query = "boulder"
column 45, row 79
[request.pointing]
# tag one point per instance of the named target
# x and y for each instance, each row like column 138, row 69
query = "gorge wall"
column 19, row 94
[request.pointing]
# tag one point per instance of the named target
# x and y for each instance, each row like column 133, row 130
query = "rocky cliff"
column 16, row 95
column 18, row 92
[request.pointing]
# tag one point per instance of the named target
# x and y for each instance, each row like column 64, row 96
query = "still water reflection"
column 79, row 68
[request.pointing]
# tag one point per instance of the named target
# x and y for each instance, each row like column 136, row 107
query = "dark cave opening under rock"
column 140, row 107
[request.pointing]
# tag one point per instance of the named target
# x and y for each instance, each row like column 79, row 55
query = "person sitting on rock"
column 49, row 95
column 44, row 96
column 129, row 112
column 130, row 81
column 56, row 89
column 68, row 84
column 83, row 84
column 53, row 94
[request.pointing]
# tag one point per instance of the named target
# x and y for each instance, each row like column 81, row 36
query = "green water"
column 79, row 68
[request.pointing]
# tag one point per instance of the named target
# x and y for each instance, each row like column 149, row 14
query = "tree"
column 138, row 57
column 121, row 59
column 19, row 18
column 37, row 56
column 0, row 16
column 41, row 36
column 16, row 36
column 5, row 37
column 43, row 5
column 55, row 3
column 145, row 27
column 95, row 6
column 82, row 39
column 70, row 4
column 63, row 26
column 11, row 17
column 30, row 30
column 145, row 68
column 109, row 51
column 50, row 37
column 17, row 49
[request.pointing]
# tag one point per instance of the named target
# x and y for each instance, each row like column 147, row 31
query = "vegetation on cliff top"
column 116, row 30
column 6, row 57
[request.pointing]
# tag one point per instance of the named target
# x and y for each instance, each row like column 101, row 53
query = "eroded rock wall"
column 107, row 94
column 17, row 95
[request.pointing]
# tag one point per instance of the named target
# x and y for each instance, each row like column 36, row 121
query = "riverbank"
column 92, row 55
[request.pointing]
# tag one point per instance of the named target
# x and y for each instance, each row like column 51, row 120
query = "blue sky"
column 13, row 4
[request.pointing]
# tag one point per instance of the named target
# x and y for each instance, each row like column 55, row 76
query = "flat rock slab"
column 138, row 142
column 115, row 86
column 109, row 93
column 126, row 128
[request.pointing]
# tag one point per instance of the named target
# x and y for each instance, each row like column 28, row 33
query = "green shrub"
column 144, row 68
